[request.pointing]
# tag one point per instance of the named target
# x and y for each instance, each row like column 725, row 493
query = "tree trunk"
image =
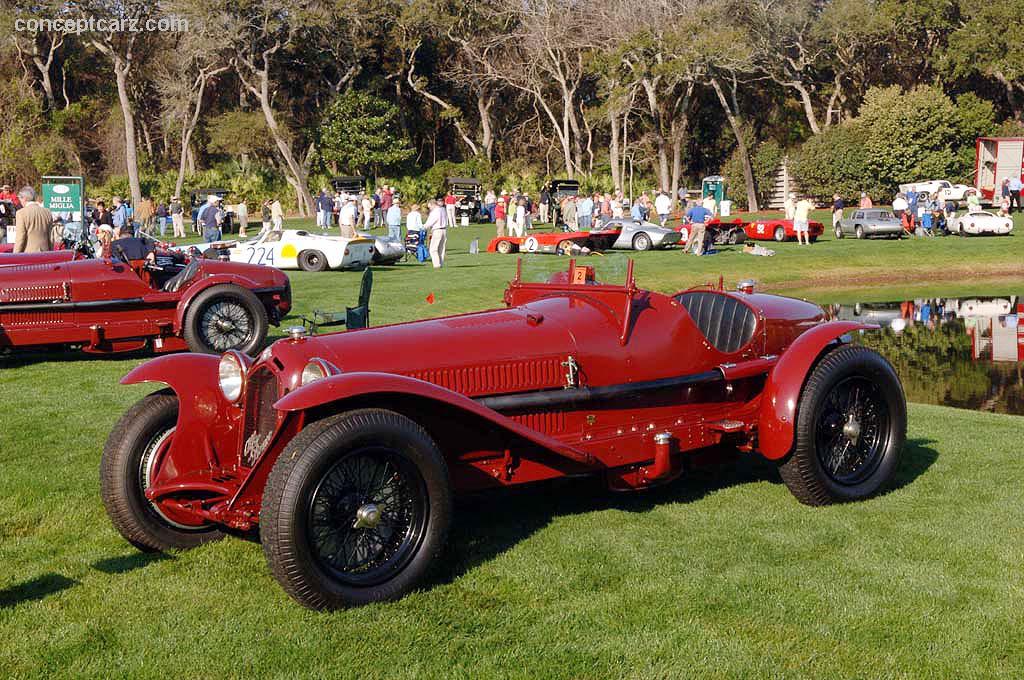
column 805, row 99
column 483, row 106
column 1011, row 96
column 47, row 83
column 131, row 152
column 650, row 87
column 297, row 172
column 613, row 148
column 737, row 130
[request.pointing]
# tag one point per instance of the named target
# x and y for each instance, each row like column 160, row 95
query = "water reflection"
column 962, row 352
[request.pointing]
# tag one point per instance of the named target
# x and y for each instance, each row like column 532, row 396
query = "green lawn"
column 721, row 574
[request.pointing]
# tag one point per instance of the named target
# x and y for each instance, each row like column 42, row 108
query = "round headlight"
column 231, row 375
column 314, row 370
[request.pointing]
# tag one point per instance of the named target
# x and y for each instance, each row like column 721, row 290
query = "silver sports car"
column 867, row 222
column 386, row 250
column 636, row 235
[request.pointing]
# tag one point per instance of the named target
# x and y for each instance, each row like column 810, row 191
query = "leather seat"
column 727, row 323
column 174, row 283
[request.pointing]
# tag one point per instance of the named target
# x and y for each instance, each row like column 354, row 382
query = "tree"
column 39, row 47
column 358, row 133
column 125, row 50
column 260, row 34
column 184, row 77
column 977, row 47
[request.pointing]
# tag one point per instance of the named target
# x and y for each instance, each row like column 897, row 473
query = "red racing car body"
column 554, row 242
column 349, row 472
column 59, row 298
column 780, row 230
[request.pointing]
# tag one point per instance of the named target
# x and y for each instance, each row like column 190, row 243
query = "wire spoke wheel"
column 226, row 324
column 367, row 516
column 852, row 430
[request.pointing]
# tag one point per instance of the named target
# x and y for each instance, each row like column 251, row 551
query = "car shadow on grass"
column 123, row 564
column 35, row 589
column 487, row 525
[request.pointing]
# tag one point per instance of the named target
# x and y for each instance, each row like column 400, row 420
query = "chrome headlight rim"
column 232, row 373
column 316, row 369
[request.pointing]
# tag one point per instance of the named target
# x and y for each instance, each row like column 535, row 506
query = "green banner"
column 63, row 196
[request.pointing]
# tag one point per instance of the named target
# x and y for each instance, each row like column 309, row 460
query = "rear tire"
column 312, row 261
column 851, row 424
column 780, row 234
column 125, row 467
column 839, row 232
column 642, row 242
column 564, row 247
column 504, row 247
column 859, row 231
column 329, row 483
column 225, row 317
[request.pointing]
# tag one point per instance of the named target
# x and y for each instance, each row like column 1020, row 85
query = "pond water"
column 961, row 352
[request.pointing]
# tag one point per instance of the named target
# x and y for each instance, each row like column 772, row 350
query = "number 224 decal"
column 260, row 255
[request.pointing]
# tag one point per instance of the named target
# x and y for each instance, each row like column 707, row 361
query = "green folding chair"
column 352, row 317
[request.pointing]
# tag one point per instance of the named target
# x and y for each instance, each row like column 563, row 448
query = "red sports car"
column 140, row 298
column 780, row 230
column 557, row 242
column 349, row 470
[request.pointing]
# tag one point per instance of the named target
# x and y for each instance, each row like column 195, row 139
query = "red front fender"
column 356, row 385
column 190, row 376
column 777, row 418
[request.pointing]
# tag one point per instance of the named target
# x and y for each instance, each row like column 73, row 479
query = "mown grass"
column 721, row 574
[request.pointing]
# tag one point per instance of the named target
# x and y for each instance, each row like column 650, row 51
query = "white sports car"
column 947, row 191
column 980, row 223
column 299, row 249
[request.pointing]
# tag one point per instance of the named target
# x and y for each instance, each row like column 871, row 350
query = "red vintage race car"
column 780, row 230
column 556, row 242
column 137, row 299
column 349, row 473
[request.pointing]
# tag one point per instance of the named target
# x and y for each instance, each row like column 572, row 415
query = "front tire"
column 225, row 317
column 356, row 510
column 850, row 428
column 642, row 242
column 312, row 261
column 859, row 231
column 504, row 247
column 129, row 460
column 780, row 234
column 839, row 232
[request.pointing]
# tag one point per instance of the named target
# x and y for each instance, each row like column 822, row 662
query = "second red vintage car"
column 349, row 471
column 137, row 300
column 556, row 242
column 780, row 230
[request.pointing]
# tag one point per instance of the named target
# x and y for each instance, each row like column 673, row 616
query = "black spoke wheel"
column 851, row 424
column 852, row 430
column 367, row 516
column 130, row 460
column 225, row 317
column 356, row 510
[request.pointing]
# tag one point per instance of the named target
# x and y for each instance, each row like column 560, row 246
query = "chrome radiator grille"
column 260, row 418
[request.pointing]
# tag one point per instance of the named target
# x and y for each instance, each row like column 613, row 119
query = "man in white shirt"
column 900, row 205
column 663, row 206
column 801, row 225
column 437, row 223
column 347, row 219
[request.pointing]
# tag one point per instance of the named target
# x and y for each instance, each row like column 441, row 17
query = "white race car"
column 980, row 223
column 946, row 190
column 298, row 249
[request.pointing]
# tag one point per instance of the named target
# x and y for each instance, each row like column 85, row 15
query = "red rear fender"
column 777, row 419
